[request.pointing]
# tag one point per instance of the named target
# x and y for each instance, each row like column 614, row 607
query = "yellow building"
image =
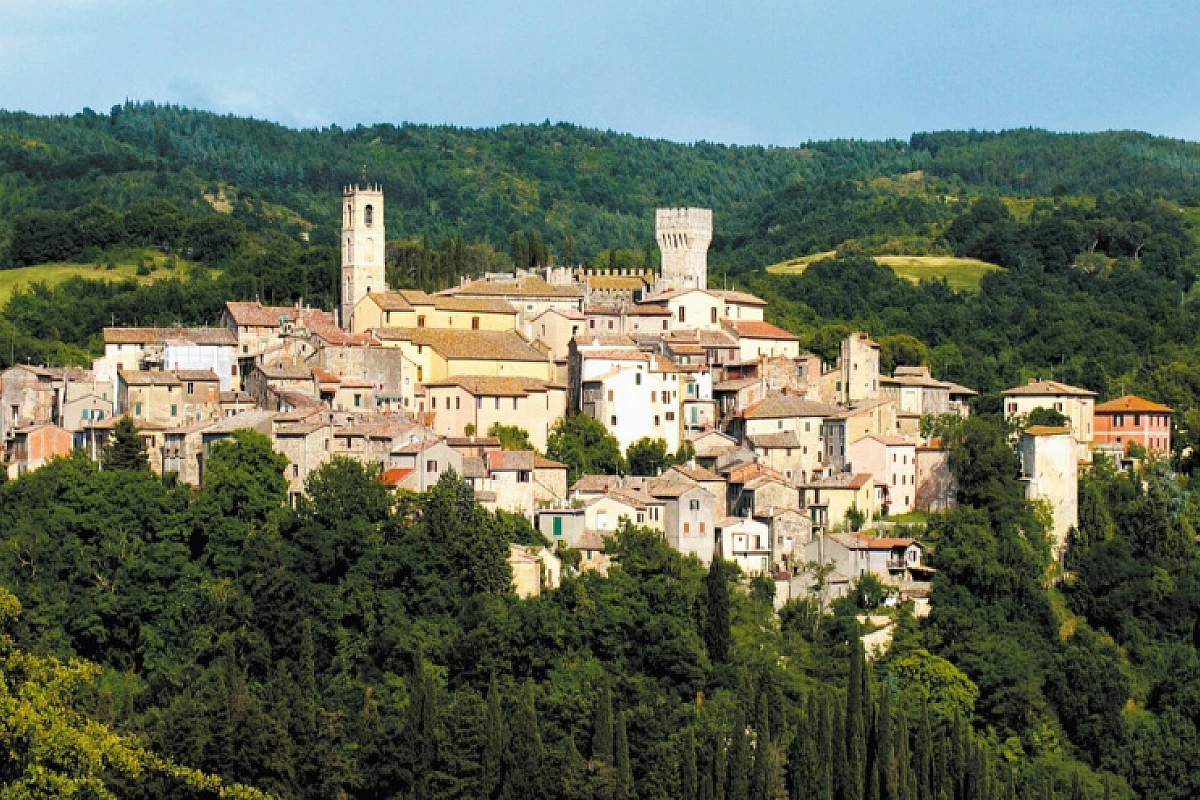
column 413, row 308
column 439, row 354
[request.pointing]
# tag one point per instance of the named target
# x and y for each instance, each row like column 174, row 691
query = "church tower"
column 683, row 237
column 362, row 247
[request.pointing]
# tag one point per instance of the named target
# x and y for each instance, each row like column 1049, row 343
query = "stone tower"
column 683, row 237
column 362, row 247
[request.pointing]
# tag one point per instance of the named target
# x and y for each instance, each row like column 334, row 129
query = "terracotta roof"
column 685, row 348
column 735, row 384
column 474, row 467
column 595, row 484
column 842, row 480
column 416, row 297
column 529, row 286
column 590, row 540
column 1133, row 403
column 482, row 305
column 619, row 340
column 255, row 314
column 479, row 345
column 741, row 298
column 196, row 375
column 1038, row 388
column 696, row 473
column 247, row 419
column 324, row 376
column 633, row 497
column 541, row 462
column 390, row 301
column 200, row 336
column 616, row 354
column 774, row 440
column 645, row 311
column 857, row 541
column 763, row 480
column 510, row 460
column 890, row 441
column 623, row 282
column 395, row 475
column 1047, row 430
column 495, row 386
column 752, row 329
column 282, row 373
column 663, row 489
column 236, row 397
column 135, row 377
column 781, row 406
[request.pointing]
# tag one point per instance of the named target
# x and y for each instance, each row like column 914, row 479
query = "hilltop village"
column 782, row 459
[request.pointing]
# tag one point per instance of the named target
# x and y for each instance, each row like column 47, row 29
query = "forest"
column 218, row 643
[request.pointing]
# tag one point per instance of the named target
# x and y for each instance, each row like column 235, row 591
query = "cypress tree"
column 688, row 778
column 717, row 633
column 824, row 712
column 1107, row 787
column 887, row 770
column 493, row 747
column 923, row 756
column 904, row 762
column 739, row 759
column 1047, row 790
column 623, row 765
column 843, row 772
column 574, row 781
column 523, row 757
column 720, row 772
column 802, row 757
column 1078, row 792
column 764, row 766
column 602, row 726
column 856, row 730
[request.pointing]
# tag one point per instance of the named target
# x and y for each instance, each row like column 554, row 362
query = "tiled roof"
column 781, row 406
column 196, row 375
column 595, row 484
column 247, row 419
column 510, row 461
column 541, row 462
column 199, row 336
column 696, row 473
column 616, row 354
column 890, row 441
column 390, row 301
column 395, row 475
column 842, row 480
column 473, row 467
column 135, row 377
column 661, row 489
column 645, row 311
column 416, row 297
column 619, row 340
column 495, row 386
column 857, row 541
column 774, row 440
column 753, row 329
column 620, row 282
column 1036, row 388
column 741, row 298
column 1047, row 430
column 735, row 384
column 482, row 305
column 476, row 345
column 530, row 286
column 1132, row 402
column 255, row 314
column 281, row 373
column 472, row 441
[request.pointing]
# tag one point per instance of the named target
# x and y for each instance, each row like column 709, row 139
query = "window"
column 457, row 403
column 497, row 407
column 514, row 404
column 1137, row 420
column 592, row 324
column 613, row 420
column 637, row 379
column 368, row 215
column 475, row 324
column 641, row 517
column 714, row 313
column 431, row 465
column 295, row 470
column 686, row 527
column 654, row 396
column 358, row 401
column 174, row 411
column 682, row 315
column 137, row 409
column 693, row 505
column 610, row 395
column 702, row 527
column 558, row 526
column 433, row 402
column 191, row 388
column 656, row 419
column 670, row 416
column 1119, row 421
column 420, row 322
column 610, row 324
column 478, row 403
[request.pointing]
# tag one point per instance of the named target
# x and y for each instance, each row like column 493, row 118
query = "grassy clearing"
column 124, row 266
column 962, row 274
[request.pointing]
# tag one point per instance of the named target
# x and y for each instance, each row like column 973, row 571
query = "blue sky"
column 752, row 72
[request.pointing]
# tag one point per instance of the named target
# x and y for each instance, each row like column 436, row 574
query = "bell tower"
column 362, row 247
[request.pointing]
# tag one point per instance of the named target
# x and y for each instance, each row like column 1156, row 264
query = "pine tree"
column 717, row 632
column 493, row 743
column 126, row 450
column 623, row 764
column 602, row 726
column 739, row 759
column 764, row 762
column 688, row 777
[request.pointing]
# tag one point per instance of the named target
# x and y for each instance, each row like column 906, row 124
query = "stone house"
column 1077, row 405
column 829, row 500
column 746, row 542
column 532, row 404
column 31, row 447
column 892, row 462
column 690, row 514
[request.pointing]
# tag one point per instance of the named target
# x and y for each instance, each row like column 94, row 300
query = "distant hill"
column 598, row 187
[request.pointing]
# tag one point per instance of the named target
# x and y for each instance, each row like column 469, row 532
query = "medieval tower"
column 683, row 237
column 362, row 247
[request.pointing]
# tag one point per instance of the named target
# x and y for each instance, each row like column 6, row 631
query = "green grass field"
column 126, row 266
column 962, row 274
